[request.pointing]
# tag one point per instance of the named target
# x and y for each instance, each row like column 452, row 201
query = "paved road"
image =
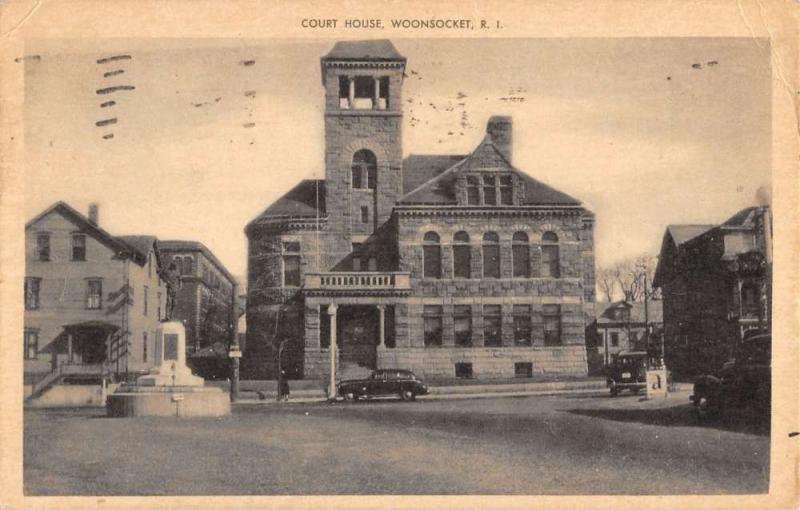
column 576, row 444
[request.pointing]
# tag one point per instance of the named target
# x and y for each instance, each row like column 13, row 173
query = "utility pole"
column 332, row 348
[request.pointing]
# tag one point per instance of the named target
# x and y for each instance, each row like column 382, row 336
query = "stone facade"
column 363, row 251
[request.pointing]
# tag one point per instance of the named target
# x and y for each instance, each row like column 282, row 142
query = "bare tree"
column 633, row 277
column 607, row 282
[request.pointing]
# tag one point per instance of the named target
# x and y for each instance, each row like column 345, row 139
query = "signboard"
column 235, row 354
column 170, row 347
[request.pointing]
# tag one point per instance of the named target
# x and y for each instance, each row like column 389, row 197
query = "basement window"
column 523, row 370
column 464, row 370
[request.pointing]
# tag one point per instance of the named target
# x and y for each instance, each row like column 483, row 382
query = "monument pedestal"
column 170, row 388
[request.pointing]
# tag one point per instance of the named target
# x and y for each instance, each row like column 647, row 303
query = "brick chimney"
column 499, row 128
column 94, row 214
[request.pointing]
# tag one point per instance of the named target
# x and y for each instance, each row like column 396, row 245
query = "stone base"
column 180, row 401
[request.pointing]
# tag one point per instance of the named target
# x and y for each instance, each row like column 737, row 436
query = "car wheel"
column 407, row 395
column 707, row 407
column 614, row 391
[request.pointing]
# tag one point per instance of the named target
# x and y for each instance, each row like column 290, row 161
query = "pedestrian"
column 283, row 387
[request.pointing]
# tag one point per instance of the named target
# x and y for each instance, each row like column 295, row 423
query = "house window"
column 43, row 247
column 188, row 268
column 78, row 247
column 506, row 190
column 462, row 256
column 523, row 369
column 94, row 294
column 32, row 286
column 491, row 255
column 372, row 264
column 550, row 264
column 364, row 170
column 355, row 248
column 473, row 190
column 751, row 301
column 463, row 370
column 492, row 325
column 521, row 255
column 144, row 300
column 489, row 190
column 522, row 325
column 178, row 263
column 462, row 325
column 291, row 264
column 30, row 346
column 144, row 347
column 432, row 325
column 552, row 324
column 364, row 214
column 432, row 256
column 614, row 339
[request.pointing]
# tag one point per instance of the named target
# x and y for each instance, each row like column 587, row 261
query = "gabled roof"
column 420, row 168
column 305, row 201
column 172, row 246
column 440, row 189
column 605, row 311
column 373, row 49
column 742, row 219
column 117, row 244
column 684, row 233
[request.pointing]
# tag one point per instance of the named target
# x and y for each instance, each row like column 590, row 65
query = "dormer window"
column 363, row 92
column 490, row 189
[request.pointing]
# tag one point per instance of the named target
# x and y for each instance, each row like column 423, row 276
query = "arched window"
column 521, row 255
column 462, row 256
column 432, row 256
column 364, row 170
column 491, row 255
column 550, row 265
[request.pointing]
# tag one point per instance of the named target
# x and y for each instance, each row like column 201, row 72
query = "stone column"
column 377, row 95
column 351, row 92
column 382, row 326
column 332, row 312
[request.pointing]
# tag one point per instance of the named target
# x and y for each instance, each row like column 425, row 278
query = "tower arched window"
column 462, row 257
column 521, row 255
column 432, row 256
column 491, row 255
column 550, row 255
column 364, row 170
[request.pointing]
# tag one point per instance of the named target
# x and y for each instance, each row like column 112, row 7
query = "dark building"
column 205, row 295
column 448, row 265
column 716, row 283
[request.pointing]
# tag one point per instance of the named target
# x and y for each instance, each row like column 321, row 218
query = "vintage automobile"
column 744, row 382
column 383, row 383
column 627, row 372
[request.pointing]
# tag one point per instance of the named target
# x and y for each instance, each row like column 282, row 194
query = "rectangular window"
column 550, row 261
column 356, row 264
column 32, row 286
column 432, row 263
column 522, row 260
column 144, row 347
column 551, row 315
column 144, row 299
column 78, row 247
column 492, row 325
column 523, row 370
column 31, row 344
column 94, row 294
column 614, row 339
column 473, row 190
column 522, row 325
column 372, row 264
column 384, row 93
column 364, row 214
column 43, row 247
column 464, row 370
column 462, row 325
column 432, row 325
column 291, row 264
column 344, row 92
column 489, row 190
column 506, row 190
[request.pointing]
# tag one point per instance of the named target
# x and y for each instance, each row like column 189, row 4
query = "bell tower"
column 363, row 147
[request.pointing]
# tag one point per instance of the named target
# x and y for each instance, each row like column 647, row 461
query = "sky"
column 645, row 132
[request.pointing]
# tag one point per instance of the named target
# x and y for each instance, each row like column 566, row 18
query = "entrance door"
column 358, row 329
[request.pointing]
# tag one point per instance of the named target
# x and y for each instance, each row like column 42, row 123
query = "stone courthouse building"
column 447, row 265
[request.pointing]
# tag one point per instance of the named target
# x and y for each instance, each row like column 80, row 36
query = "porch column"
column 351, row 91
column 69, row 348
column 382, row 325
column 377, row 95
column 332, row 347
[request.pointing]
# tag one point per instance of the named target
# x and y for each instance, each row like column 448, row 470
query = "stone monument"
column 169, row 388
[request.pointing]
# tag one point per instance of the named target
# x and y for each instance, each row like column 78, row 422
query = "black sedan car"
column 383, row 383
column 744, row 382
column 627, row 372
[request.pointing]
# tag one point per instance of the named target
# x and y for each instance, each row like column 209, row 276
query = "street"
column 567, row 444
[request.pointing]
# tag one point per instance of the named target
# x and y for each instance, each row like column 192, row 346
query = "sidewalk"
column 595, row 385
